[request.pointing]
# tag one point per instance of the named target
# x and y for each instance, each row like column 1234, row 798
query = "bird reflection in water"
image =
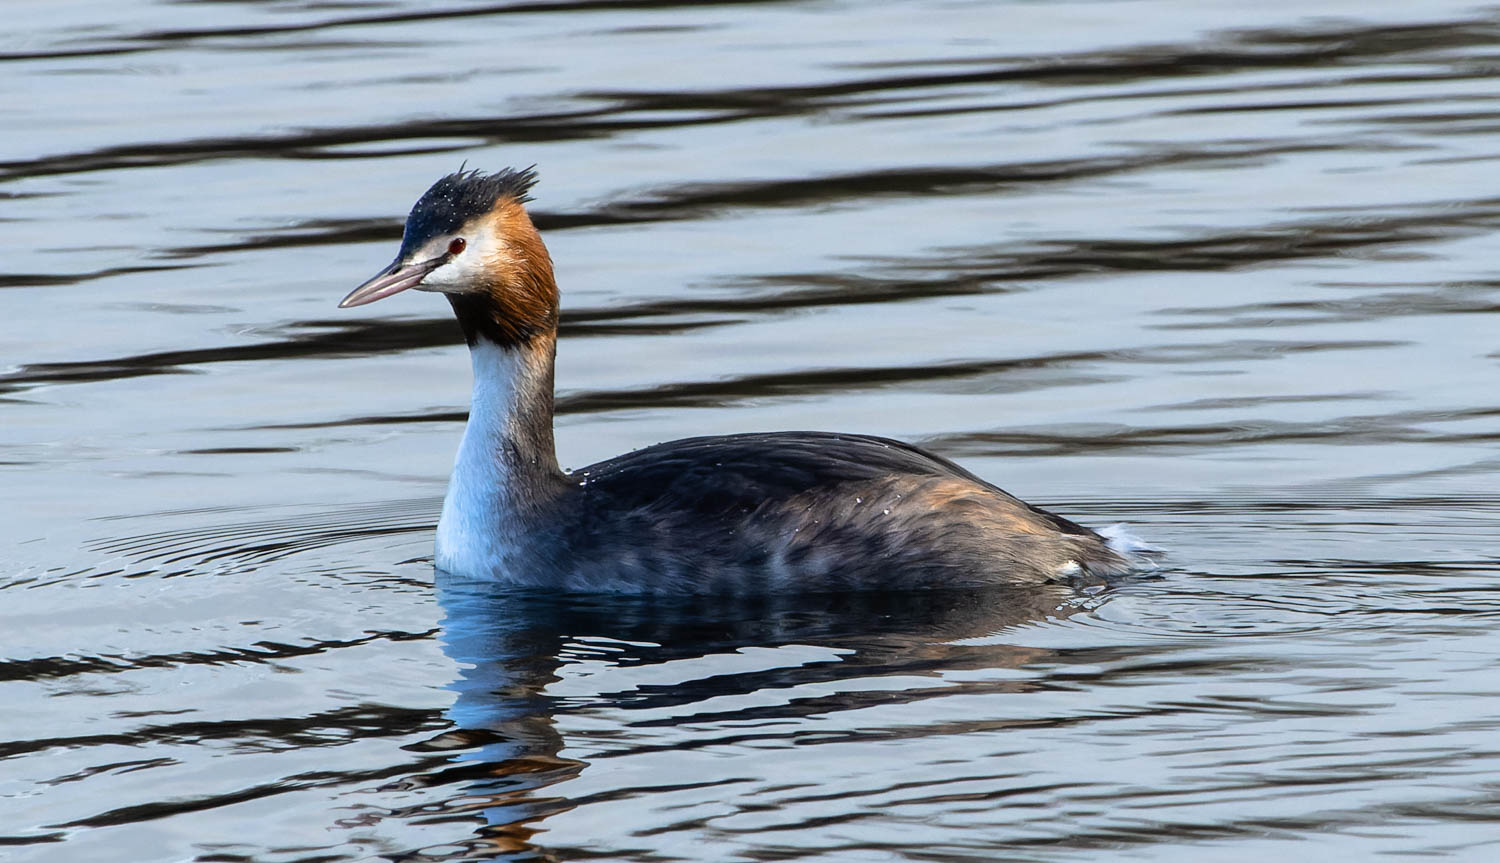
column 504, row 744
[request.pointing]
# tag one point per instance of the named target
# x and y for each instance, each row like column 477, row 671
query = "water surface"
column 1220, row 272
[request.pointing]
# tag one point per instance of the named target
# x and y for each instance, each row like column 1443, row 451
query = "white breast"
column 478, row 531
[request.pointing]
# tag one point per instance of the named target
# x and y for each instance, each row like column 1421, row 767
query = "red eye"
column 456, row 245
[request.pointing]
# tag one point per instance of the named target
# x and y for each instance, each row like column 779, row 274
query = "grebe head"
column 469, row 237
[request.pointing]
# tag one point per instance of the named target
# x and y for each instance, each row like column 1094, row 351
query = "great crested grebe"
column 781, row 511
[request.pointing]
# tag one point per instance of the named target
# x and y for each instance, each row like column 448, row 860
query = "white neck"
column 506, row 466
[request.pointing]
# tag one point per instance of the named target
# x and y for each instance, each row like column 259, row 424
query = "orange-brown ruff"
column 784, row 511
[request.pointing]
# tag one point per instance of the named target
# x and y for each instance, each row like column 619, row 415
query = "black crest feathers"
column 459, row 197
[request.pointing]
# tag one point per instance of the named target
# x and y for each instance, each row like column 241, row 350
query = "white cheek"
column 453, row 276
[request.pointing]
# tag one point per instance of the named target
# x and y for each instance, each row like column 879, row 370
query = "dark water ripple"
column 968, row 271
column 260, row 542
column 1260, row 50
column 1224, row 274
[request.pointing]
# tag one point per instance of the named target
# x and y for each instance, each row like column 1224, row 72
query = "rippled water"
column 1223, row 272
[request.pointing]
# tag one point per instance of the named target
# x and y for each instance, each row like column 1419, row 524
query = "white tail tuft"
column 1131, row 547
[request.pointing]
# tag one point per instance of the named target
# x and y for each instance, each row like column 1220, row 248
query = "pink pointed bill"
column 391, row 280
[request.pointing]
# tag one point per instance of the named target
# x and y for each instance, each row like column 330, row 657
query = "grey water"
column 1224, row 272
